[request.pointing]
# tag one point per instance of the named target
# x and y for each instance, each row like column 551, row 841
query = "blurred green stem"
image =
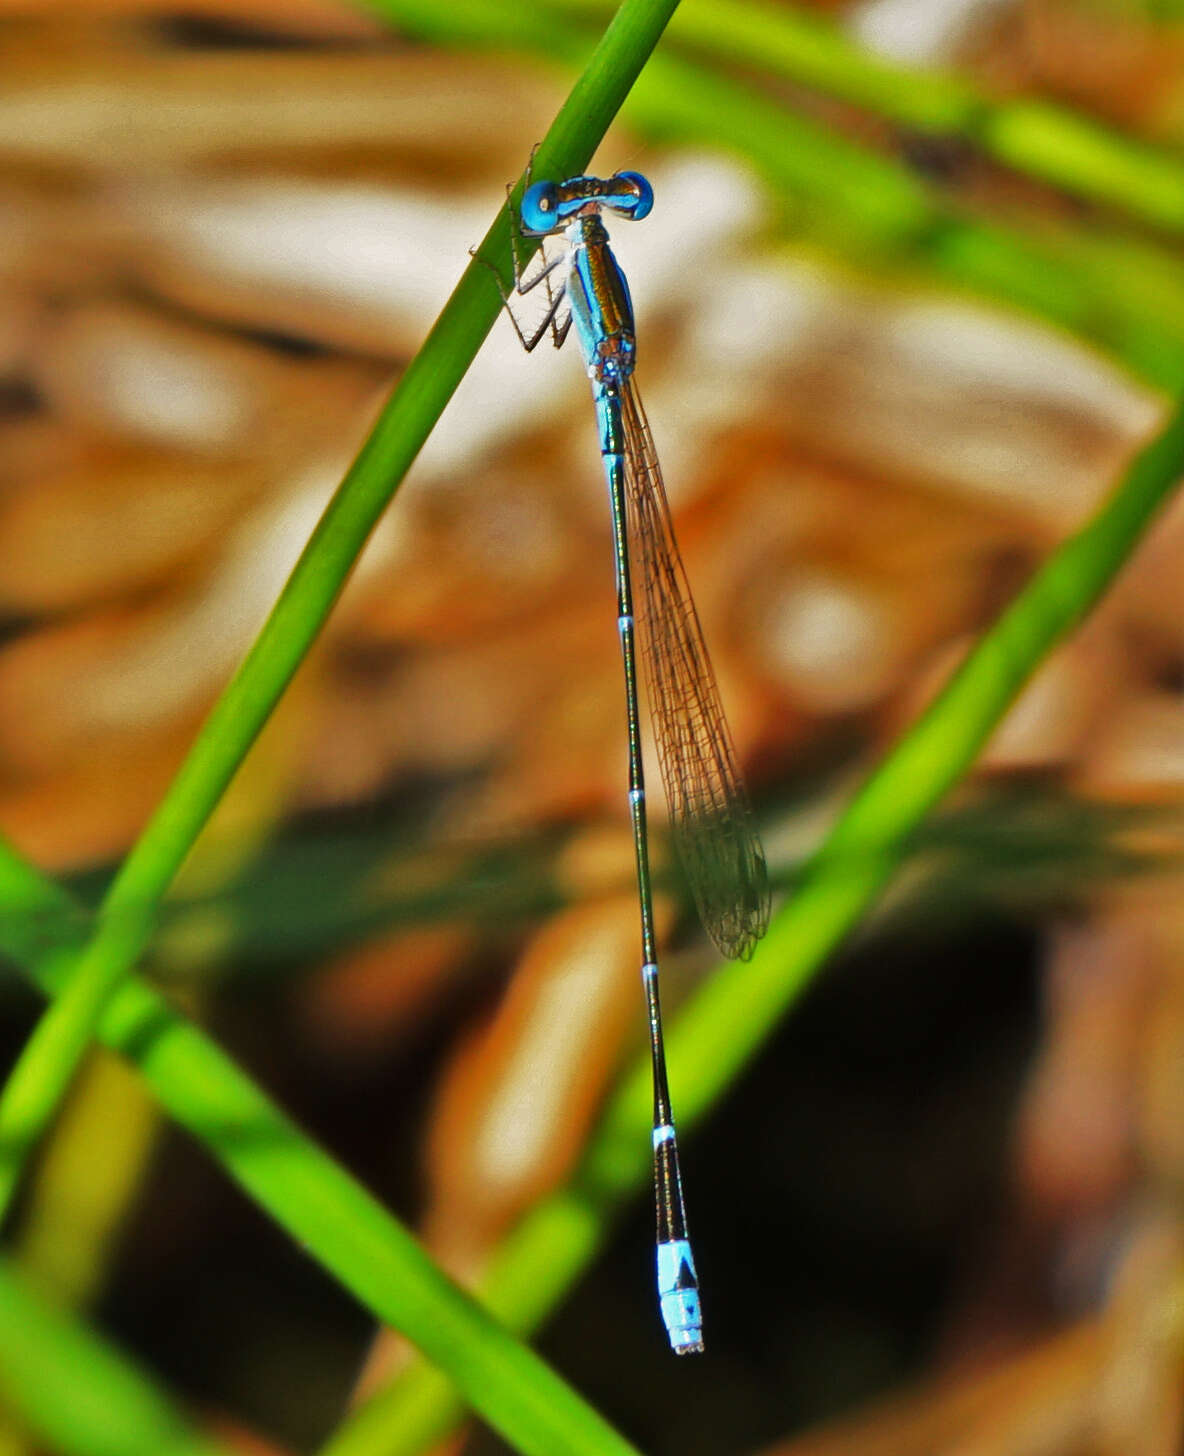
column 735, row 1010
column 1124, row 294
column 1033, row 136
column 326, row 1212
column 126, row 919
column 351, row 1235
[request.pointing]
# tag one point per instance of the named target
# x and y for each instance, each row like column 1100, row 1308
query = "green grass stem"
column 735, row 1011
column 127, row 917
column 320, row 1205
column 346, row 1230
column 1051, row 143
column 1123, row 294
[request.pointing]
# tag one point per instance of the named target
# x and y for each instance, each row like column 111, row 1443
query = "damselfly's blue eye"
column 540, row 208
column 635, row 182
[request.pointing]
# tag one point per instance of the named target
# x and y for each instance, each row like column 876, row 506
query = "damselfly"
column 709, row 813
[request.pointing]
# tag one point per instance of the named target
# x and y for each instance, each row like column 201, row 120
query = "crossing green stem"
column 370, row 1253
column 330, row 1216
column 126, row 919
column 734, row 1011
column 1028, row 134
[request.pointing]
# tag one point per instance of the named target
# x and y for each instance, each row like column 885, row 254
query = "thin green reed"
column 352, row 1237
column 327, row 1213
column 734, row 1011
column 128, row 913
column 1040, row 138
column 1122, row 293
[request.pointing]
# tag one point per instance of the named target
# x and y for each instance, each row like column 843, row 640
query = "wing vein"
column 710, row 815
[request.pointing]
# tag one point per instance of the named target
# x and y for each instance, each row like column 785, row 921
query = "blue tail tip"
column 678, row 1296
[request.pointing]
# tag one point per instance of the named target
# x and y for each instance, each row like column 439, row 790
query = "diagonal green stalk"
column 346, row 1230
column 1122, row 293
column 127, row 916
column 80, row 1394
column 324, row 1209
column 724, row 1024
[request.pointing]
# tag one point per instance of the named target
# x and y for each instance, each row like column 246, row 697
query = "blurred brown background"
column 226, row 227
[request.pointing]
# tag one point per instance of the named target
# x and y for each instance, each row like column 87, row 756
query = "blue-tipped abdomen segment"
column 678, row 1294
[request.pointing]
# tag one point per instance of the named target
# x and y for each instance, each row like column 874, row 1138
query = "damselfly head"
column 548, row 206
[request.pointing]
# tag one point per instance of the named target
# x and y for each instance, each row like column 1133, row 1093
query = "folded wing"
column 709, row 812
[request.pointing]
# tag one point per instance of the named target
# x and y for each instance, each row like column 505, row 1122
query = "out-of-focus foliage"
column 77, row 1393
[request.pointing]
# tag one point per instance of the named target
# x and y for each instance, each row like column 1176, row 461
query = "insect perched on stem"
column 709, row 811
